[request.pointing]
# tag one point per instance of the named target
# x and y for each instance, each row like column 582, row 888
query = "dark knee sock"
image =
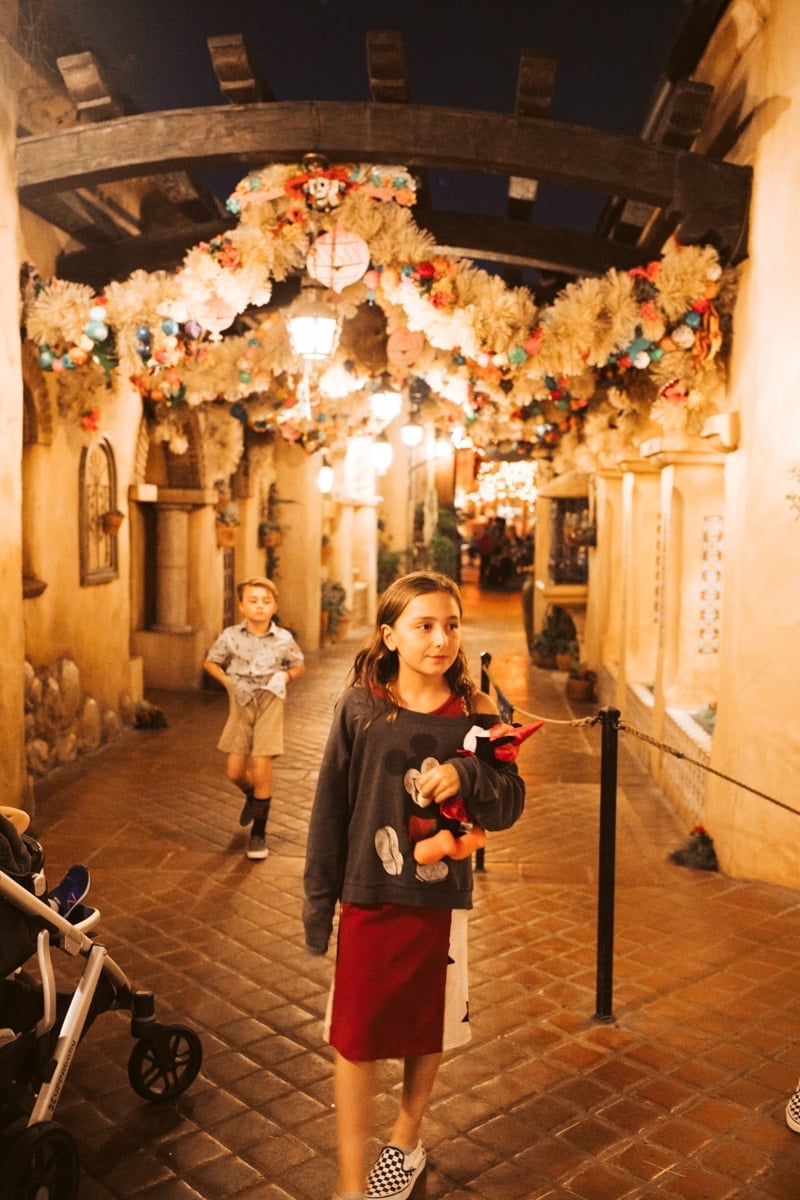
column 260, row 814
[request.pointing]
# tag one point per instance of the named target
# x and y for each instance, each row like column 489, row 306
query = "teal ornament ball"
column 46, row 357
column 97, row 331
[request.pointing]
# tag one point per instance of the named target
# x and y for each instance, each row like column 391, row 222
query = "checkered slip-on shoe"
column 395, row 1173
column 793, row 1111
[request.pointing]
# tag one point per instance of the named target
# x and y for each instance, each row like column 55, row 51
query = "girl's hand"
column 439, row 783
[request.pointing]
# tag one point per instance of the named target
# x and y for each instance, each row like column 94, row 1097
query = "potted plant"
column 567, row 654
column 334, row 609
column 269, row 534
column 557, row 636
column 581, row 682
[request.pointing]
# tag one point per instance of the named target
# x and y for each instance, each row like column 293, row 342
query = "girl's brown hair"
column 375, row 667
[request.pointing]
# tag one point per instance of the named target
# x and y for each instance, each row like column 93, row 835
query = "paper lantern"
column 215, row 314
column 338, row 259
column 404, row 347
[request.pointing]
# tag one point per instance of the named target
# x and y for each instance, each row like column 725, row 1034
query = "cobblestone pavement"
column 681, row 1095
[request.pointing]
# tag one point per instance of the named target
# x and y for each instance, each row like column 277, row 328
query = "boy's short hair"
column 257, row 581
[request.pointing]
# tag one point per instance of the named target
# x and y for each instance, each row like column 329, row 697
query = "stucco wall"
column 12, row 652
column 757, row 737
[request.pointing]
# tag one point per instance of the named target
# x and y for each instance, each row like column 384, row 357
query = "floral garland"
column 618, row 351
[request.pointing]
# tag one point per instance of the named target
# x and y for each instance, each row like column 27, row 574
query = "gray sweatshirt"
column 359, row 849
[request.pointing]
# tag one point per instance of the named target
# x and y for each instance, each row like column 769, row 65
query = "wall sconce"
column 381, row 454
column 385, row 400
column 312, row 325
column 325, row 477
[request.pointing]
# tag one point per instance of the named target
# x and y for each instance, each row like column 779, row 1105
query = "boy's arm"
column 216, row 672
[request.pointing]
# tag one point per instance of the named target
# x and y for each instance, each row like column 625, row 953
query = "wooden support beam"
column 676, row 124
column 416, row 135
column 87, row 88
column 462, row 139
column 494, row 239
column 535, row 82
column 159, row 250
column 503, row 240
column 387, row 67
column 83, row 217
column 239, row 81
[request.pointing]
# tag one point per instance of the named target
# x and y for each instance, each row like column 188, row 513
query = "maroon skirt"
column 388, row 995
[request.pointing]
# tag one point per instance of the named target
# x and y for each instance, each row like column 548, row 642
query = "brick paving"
column 681, row 1095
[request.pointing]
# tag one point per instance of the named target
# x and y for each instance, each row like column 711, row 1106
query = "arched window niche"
column 97, row 490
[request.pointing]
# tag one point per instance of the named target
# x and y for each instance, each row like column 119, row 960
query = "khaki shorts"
column 254, row 728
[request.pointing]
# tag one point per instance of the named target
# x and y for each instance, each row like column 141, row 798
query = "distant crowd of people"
column 502, row 553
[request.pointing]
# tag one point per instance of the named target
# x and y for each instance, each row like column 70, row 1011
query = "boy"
column 254, row 661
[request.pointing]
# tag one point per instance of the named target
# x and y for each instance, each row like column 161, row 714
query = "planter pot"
column 342, row 629
column 111, row 521
column 548, row 661
column 579, row 689
column 226, row 535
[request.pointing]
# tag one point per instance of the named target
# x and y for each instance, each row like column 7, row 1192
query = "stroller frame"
column 164, row 1061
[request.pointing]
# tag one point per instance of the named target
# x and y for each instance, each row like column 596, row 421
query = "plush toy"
column 450, row 833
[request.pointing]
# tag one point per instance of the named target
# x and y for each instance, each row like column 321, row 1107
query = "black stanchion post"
column 486, row 659
column 609, row 718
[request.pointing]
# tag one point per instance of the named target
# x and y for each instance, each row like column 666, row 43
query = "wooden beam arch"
column 705, row 199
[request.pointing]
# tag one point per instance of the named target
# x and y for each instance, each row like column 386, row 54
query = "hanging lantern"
column 385, row 400
column 380, row 454
column 338, row 258
column 412, row 434
column 312, row 324
column 215, row 314
column 325, row 478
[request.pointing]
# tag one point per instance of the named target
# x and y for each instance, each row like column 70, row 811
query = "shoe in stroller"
column 40, row 1026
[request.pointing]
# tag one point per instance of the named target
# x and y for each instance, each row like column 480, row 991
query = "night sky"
column 460, row 53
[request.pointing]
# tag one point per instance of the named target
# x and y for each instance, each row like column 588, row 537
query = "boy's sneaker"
column 395, row 1173
column 793, row 1111
column 257, row 847
column 72, row 889
column 246, row 815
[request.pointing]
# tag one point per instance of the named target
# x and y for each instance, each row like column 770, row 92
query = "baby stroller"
column 40, row 1026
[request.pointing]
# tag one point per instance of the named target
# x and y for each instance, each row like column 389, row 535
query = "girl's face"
column 426, row 635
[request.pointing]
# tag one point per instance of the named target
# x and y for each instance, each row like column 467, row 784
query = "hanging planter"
column 111, row 521
column 226, row 534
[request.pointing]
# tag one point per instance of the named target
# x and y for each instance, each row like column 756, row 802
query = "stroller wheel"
column 165, row 1063
column 40, row 1164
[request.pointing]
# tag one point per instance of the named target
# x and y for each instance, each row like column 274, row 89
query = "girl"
column 393, row 754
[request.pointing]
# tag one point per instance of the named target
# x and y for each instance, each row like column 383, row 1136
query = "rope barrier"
column 625, row 727
column 645, row 737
